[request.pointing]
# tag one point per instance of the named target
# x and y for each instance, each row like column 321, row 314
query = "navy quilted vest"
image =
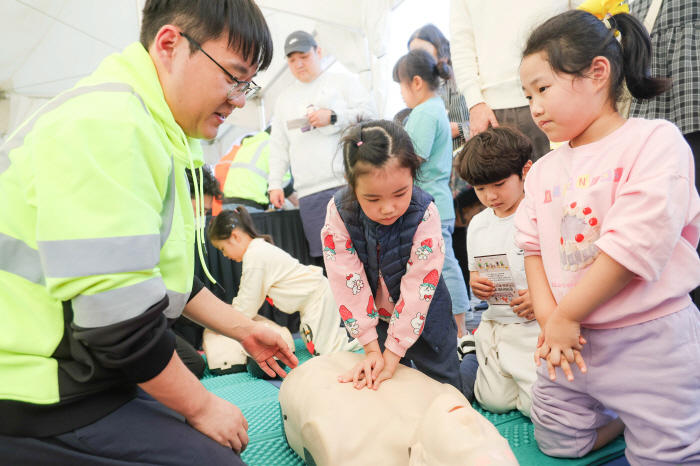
column 395, row 242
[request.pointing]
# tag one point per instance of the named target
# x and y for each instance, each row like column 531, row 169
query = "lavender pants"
column 647, row 374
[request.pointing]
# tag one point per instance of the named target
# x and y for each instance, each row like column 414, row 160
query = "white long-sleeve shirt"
column 487, row 41
column 268, row 271
column 315, row 156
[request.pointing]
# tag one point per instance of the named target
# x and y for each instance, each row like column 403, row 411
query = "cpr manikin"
column 410, row 420
column 226, row 355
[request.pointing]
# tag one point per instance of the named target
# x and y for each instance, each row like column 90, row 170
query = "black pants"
column 693, row 140
column 441, row 365
column 140, row 433
column 190, row 356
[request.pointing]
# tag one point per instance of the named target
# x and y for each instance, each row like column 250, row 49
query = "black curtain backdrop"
column 288, row 234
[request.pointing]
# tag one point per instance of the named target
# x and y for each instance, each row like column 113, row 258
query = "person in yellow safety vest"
column 246, row 180
column 97, row 244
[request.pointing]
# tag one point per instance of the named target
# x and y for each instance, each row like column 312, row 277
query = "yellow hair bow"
column 604, row 8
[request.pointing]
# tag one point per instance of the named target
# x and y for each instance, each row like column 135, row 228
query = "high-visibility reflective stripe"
column 176, row 303
column 21, row 260
column 253, row 162
column 17, row 139
column 114, row 306
column 99, row 256
column 166, row 215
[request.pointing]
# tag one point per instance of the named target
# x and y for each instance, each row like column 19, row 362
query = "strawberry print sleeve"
column 418, row 284
column 347, row 278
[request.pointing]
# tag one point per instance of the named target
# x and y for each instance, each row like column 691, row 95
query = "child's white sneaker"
column 466, row 345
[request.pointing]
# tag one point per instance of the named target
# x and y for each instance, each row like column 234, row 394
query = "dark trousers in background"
column 521, row 119
column 143, row 432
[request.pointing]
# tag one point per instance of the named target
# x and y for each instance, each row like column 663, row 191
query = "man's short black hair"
column 211, row 184
column 493, row 155
column 204, row 20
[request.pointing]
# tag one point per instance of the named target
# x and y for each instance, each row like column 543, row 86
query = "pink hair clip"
column 359, row 144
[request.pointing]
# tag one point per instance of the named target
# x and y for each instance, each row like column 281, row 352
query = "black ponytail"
column 223, row 224
column 418, row 62
column 573, row 39
column 636, row 56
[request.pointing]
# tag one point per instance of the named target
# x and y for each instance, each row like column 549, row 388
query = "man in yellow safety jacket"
column 97, row 251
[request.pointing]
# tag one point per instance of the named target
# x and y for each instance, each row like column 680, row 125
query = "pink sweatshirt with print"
column 631, row 195
column 353, row 295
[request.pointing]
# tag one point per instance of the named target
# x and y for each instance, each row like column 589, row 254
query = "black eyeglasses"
column 250, row 89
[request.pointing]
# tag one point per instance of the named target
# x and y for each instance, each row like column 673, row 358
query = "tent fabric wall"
column 51, row 44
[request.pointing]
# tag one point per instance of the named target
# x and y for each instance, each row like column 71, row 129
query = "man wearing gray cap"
column 310, row 115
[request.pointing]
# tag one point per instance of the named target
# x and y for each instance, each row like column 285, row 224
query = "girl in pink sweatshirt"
column 609, row 226
column 384, row 254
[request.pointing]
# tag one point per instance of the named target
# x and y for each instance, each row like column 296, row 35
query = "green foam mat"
column 498, row 419
column 272, row 452
column 521, row 437
column 258, row 400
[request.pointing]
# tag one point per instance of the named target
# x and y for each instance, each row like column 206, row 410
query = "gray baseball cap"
column 299, row 41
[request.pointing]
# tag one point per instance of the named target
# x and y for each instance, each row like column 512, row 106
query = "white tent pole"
column 261, row 110
column 139, row 13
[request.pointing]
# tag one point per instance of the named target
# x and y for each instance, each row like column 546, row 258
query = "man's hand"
column 320, row 118
column 264, row 345
column 480, row 117
column 522, row 305
column 277, row 198
column 222, row 421
column 482, row 287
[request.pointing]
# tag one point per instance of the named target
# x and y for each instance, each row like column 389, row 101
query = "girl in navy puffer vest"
column 384, row 254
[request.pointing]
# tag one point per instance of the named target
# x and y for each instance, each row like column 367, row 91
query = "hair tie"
column 359, row 143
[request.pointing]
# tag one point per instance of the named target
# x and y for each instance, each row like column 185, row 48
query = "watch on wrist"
column 334, row 117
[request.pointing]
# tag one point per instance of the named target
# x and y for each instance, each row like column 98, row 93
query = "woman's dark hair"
column 203, row 20
column 211, row 184
column 430, row 33
column 573, row 39
column 493, row 155
column 223, row 224
column 372, row 144
column 418, row 62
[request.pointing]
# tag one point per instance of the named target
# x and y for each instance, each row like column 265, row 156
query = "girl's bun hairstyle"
column 573, row 39
column 430, row 33
column 222, row 225
column 418, row 62
column 372, row 144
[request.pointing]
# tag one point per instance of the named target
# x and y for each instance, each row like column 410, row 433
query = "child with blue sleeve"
column 419, row 76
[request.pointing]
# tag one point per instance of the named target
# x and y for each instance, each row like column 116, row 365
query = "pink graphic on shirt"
column 580, row 229
column 417, row 323
column 425, row 249
column 329, row 247
column 354, row 282
column 371, row 312
column 427, row 289
column 349, row 247
column 397, row 312
column 350, row 322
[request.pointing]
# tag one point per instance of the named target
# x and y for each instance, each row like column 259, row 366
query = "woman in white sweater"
column 270, row 272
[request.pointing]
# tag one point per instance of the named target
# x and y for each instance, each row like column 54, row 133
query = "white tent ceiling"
column 46, row 46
